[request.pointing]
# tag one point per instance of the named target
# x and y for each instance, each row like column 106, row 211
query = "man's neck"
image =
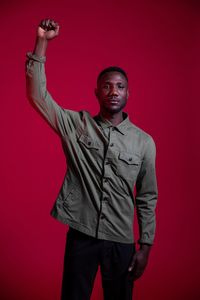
column 115, row 119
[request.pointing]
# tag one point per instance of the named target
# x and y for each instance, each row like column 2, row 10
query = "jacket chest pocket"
column 128, row 165
column 89, row 147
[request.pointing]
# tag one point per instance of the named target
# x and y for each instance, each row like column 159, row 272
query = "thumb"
column 132, row 263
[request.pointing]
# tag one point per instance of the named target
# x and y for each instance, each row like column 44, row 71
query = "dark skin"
column 112, row 93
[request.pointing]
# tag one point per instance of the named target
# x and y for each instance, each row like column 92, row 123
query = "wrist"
column 146, row 248
column 40, row 46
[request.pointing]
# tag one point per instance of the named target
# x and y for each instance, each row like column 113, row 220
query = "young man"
column 107, row 156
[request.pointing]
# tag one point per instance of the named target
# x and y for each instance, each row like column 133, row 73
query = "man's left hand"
column 139, row 262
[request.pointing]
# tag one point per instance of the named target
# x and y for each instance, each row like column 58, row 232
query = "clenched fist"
column 48, row 29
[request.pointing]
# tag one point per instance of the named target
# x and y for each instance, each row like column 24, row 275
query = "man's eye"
column 121, row 87
column 106, row 86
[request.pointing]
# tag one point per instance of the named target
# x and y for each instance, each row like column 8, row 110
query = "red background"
column 158, row 44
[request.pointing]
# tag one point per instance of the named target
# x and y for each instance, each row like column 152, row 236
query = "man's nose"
column 113, row 91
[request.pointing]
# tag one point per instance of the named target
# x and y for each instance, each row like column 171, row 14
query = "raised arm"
column 63, row 121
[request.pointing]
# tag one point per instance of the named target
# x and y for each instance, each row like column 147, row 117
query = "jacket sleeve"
column 61, row 120
column 147, row 194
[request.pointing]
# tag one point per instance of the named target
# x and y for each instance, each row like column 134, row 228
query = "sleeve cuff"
column 150, row 243
column 41, row 59
column 146, row 240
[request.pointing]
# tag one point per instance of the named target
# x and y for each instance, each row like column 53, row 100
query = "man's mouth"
column 112, row 100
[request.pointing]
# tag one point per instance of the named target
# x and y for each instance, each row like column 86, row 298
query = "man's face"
column 112, row 92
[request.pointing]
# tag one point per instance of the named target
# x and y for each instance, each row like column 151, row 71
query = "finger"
column 42, row 24
column 51, row 24
column 47, row 22
column 132, row 265
column 54, row 24
column 130, row 269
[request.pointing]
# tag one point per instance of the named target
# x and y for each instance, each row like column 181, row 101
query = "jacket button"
column 102, row 216
column 111, row 145
column 89, row 143
column 130, row 159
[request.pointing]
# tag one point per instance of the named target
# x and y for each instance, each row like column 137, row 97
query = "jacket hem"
column 84, row 229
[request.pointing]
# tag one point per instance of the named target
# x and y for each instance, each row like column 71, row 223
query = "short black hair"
column 112, row 69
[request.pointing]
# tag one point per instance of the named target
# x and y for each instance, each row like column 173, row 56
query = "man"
column 107, row 156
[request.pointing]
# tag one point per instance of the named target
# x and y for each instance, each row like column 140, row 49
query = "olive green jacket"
column 104, row 164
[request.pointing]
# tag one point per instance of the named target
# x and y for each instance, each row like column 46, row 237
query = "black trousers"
column 83, row 255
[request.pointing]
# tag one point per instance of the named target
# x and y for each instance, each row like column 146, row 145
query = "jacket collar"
column 121, row 127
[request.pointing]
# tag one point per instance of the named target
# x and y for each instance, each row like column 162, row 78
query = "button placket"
column 111, row 133
column 105, row 187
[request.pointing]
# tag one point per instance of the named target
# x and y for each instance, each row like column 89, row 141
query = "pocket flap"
column 129, row 158
column 88, row 141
